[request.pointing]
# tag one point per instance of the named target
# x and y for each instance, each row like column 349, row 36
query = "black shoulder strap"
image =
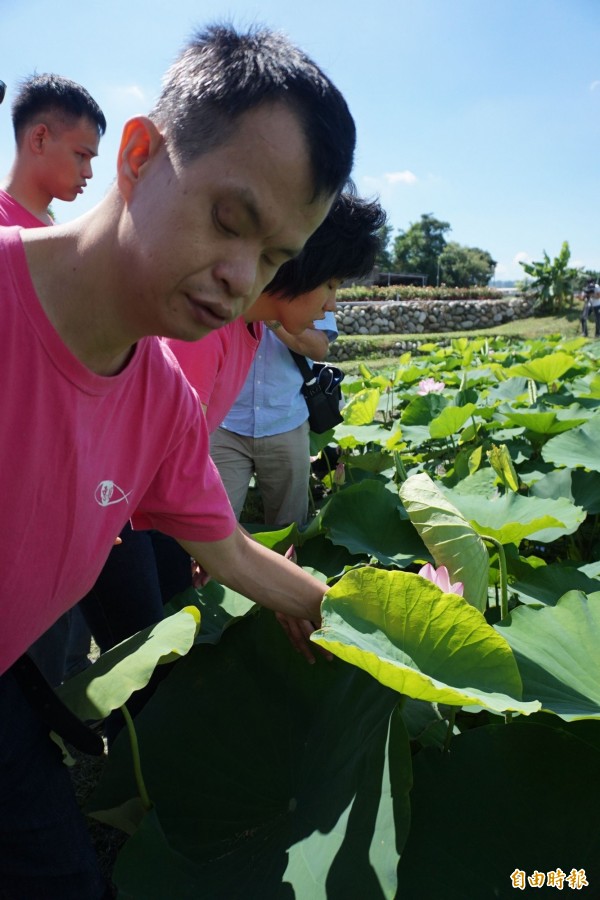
column 307, row 372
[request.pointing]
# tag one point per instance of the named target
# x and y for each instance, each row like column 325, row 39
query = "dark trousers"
column 140, row 575
column 45, row 849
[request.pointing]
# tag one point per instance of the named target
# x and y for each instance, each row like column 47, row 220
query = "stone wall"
column 422, row 317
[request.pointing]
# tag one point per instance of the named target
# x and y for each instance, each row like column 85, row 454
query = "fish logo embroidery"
column 108, row 493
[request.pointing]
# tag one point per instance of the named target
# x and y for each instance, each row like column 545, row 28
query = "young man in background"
column 58, row 127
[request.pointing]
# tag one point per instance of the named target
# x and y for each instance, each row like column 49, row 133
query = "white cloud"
column 594, row 85
column 386, row 185
column 405, row 177
column 129, row 92
column 520, row 257
column 510, row 270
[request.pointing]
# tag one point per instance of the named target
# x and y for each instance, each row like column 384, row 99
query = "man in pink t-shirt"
column 58, row 127
column 146, row 570
column 238, row 163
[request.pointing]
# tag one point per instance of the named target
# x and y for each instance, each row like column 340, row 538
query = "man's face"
column 205, row 238
column 297, row 314
column 68, row 155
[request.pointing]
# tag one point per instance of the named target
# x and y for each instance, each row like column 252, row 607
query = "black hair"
column 344, row 246
column 222, row 74
column 50, row 94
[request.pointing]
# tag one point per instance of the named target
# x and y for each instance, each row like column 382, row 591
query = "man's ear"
column 140, row 141
column 37, row 135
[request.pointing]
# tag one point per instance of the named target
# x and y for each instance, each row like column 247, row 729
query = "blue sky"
column 485, row 113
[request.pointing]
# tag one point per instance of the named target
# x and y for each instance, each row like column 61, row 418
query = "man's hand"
column 267, row 578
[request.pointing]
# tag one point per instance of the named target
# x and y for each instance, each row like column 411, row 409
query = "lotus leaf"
column 410, row 635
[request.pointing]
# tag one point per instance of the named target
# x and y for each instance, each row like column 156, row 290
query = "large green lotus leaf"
column 545, row 369
column 557, row 651
column 278, row 539
column 553, row 484
column 410, row 374
column 507, row 797
column 451, row 420
column 416, row 435
column 544, row 422
column 320, row 555
column 320, row 867
column 448, row 536
column 371, row 461
column 511, row 389
column 361, row 409
column 421, row 410
column 367, row 518
column 512, row 517
column 128, row 667
column 586, row 490
column 218, row 606
column 546, row 584
column 482, row 483
column 425, row 722
column 576, row 448
column 263, row 771
column 410, row 635
column 351, row 436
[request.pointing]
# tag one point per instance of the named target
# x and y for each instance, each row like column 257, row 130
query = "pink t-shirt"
column 12, row 213
column 217, row 365
column 82, row 454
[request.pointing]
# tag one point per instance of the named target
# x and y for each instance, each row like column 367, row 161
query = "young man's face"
column 205, row 238
column 68, row 155
column 297, row 314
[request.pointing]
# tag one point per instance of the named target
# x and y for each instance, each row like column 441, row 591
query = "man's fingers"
column 298, row 632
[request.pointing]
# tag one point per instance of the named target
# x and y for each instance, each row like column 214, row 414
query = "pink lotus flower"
column 430, row 386
column 441, row 577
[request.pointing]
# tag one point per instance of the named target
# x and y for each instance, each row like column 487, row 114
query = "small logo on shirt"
column 108, row 493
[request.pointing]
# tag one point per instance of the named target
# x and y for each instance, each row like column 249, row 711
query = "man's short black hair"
column 222, row 74
column 51, row 94
column 344, row 246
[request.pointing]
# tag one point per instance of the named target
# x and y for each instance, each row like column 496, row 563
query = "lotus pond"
column 451, row 750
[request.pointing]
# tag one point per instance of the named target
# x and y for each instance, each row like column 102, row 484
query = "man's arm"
column 310, row 342
column 267, row 578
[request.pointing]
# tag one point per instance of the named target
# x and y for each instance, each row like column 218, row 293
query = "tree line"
column 423, row 249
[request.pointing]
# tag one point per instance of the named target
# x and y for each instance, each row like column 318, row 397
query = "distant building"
column 385, row 279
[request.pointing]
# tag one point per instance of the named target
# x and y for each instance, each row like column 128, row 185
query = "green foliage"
column 423, row 249
column 465, row 266
column 553, row 281
column 411, row 636
column 128, row 667
column 412, row 292
column 271, row 778
column 254, row 779
column 383, row 260
column 419, row 247
column 523, row 790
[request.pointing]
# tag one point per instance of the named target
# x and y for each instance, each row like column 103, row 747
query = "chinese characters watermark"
column 575, row 880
